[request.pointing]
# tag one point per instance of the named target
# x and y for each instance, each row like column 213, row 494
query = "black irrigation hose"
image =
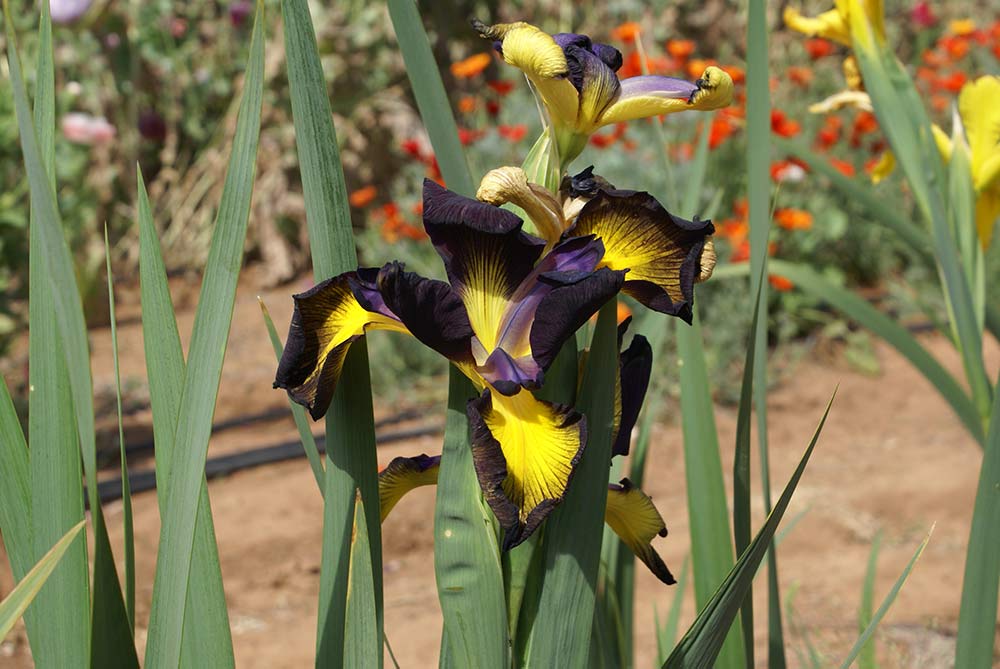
column 223, row 465
column 267, row 416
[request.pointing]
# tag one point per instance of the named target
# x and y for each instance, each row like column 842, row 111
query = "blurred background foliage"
column 153, row 83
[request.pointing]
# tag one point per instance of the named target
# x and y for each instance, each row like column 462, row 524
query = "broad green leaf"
column 869, row 630
column 128, row 528
column 298, row 411
column 56, row 480
column 27, row 588
column 432, row 100
column 15, row 488
column 466, row 557
column 206, row 621
column 711, row 543
column 362, row 643
column 111, row 642
column 741, row 475
column 562, row 624
column 351, row 462
column 867, row 611
column 201, row 385
column 978, row 612
column 701, row 645
column 899, row 108
column 758, row 158
column 666, row 637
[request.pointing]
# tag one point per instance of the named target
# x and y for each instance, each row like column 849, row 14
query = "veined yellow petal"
column 403, row 475
column 525, row 451
column 632, row 516
column 535, row 53
column 987, row 211
column 979, row 107
column 327, row 319
column 831, row 25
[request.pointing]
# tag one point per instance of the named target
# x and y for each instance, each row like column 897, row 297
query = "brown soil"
column 893, row 458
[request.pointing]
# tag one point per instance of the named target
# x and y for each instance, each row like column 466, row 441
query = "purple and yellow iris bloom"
column 511, row 301
column 628, row 511
column 576, row 81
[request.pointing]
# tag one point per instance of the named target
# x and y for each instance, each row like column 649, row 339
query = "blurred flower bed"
column 152, row 83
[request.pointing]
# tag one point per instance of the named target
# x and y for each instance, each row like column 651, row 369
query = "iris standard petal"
column 661, row 252
column 652, row 95
column 979, row 107
column 403, row 475
column 987, row 211
column 635, row 365
column 525, row 452
column 430, row 309
column 535, row 53
column 598, row 87
column 485, row 253
column 631, row 514
column 326, row 320
column 831, row 25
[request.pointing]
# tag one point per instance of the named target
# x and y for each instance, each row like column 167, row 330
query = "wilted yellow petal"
column 844, row 99
column 831, row 25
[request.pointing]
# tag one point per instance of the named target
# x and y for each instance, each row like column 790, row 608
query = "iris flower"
column 835, row 24
column 511, row 301
column 629, row 511
column 577, row 83
column 979, row 120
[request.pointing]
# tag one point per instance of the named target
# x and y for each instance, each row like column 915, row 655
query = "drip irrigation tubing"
column 224, row 465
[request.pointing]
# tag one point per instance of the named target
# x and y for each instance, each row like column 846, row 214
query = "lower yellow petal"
column 403, row 475
column 525, row 451
column 632, row 516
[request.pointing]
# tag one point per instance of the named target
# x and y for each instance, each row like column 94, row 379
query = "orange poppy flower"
column 780, row 283
column 842, row 166
column 471, row 66
column 782, row 125
column 626, row 32
column 939, row 103
column 741, row 207
column 819, row 48
column 955, row 47
column 793, row 219
column 681, row 49
column 800, row 76
column 737, row 73
column 788, row 170
column 411, row 147
column 362, row 197
column 864, row 123
column 933, row 58
column 513, row 133
column 501, row 86
column 467, row 136
column 952, row 83
column 467, row 104
column 722, row 128
column 696, row 67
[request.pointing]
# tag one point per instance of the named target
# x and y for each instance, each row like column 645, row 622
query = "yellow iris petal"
column 540, row 449
column 715, row 91
column 884, row 167
column 632, row 516
column 485, row 291
column 403, row 475
column 979, row 107
column 535, row 53
column 943, row 142
column 831, row 25
column 327, row 320
column 987, row 211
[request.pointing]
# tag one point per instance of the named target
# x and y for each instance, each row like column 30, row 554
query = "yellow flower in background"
column 979, row 107
column 979, row 118
column 962, row 27
column 835, row 24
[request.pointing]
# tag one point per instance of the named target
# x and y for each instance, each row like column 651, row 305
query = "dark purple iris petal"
column 657, row 86
column 592, row 76
column 609, row 55
column 364, row 285
column 574, row 298
column 430, row 310
column 565, row 40
column 635, row 364
column 585, row 183
column 470, row 235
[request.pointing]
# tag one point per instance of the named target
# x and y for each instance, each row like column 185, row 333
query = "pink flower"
column 86, row 129
column 922, row 15
column 66, row 11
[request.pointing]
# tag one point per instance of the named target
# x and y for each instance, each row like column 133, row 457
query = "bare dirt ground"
column 893, row 458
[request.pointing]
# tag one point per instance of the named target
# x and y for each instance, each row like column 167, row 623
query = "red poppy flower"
column 819, row 48
column 471, row 66
column 780, row 283
column 783, row 126
column 793, row 219
column 513, row 133
column 362, row 197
